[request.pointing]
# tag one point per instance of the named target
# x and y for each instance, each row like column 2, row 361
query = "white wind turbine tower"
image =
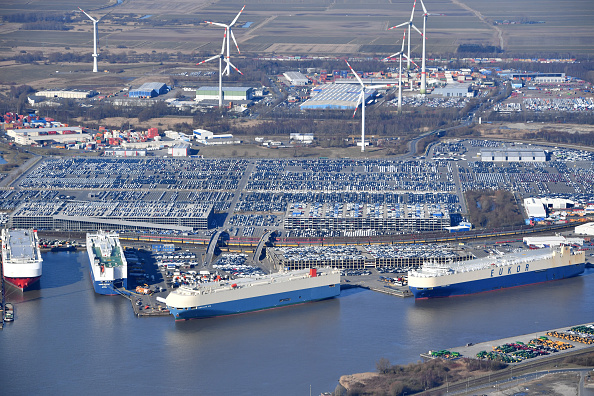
column 362, row 100
column 227, row 37
column 400, row 53
column 95, row 54
column 410, row 24
column 423, row 72
column 221, row 57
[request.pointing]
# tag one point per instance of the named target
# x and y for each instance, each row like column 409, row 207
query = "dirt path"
column 482, row 18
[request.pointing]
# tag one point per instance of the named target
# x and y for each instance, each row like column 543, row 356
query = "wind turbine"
column 410, row 24
column 95, row 54
column 227, row 37
column 362, row 100
column 423, row 72
column 221, row 57
column 400, row 53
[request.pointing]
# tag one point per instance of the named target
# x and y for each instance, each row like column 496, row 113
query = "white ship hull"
column 476, row 276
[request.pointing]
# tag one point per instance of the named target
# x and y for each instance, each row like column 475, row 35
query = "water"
column 67, row 339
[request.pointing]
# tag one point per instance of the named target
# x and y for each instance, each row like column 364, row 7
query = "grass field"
column 300, row 27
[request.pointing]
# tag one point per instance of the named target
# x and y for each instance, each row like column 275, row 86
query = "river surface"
column 68, row 340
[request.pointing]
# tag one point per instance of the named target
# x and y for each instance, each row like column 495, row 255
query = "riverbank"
column 469, row 373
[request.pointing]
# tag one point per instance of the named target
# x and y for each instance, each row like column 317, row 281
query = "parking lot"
column 256, row 194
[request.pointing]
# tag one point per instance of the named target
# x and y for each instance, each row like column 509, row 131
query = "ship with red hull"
column 21, row 258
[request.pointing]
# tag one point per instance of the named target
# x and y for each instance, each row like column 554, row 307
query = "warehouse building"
column 179, row 150
column 455, row 90
column 121, row 216
column 208, row 138
column 66, row 93
column 336, row 97
column 349, row 217
column 585, row 229
column 361, row 257
column 534, row 209
column 229, row 93
column 149, row 90
column 513, row 156
column 28, row 136
column 297, row 79
column 538, row 77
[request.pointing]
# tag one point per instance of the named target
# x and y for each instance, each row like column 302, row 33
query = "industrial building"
column 28, row 136
column 179, row 150
column 538, row 77
column 318, row 216
column 336, row 97
column 534, row 209
column 297, row 79
column 229, row 93
column 66, row 93
column 121, row 216
column 513, row 155
column 208, row 138
column 455, row 90
column 585, row 229
column 361, row 257
column 306, row 138
column 551, row 241
column 149, row 90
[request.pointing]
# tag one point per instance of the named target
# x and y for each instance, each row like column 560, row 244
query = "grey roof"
column 333, row 95
column 151, row 85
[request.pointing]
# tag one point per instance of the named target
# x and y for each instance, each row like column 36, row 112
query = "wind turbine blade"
column 355, row 73
column 233, row 37
column 414, row 27
column 406, row 56
column 223, row 45
column 412, row 14
column 392, row 56
column 358, row 103
column 106, row 15
column 88, row 16
column 233, row 66
column 216, row 24
column 397, row 26
column 209, row 59
column 424, row 9
column 237, row 17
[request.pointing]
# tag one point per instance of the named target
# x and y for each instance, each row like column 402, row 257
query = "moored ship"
column 493, row 273
column 108, row 265
column 21, row 258
column 253, row 294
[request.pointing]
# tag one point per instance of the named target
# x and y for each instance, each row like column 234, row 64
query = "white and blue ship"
column 496, row 272
column 108, row 265
column 253, row 294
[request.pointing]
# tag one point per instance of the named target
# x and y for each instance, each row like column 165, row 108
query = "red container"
column 313, row 272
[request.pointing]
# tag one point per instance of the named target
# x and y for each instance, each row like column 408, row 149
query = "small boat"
column 8, row 312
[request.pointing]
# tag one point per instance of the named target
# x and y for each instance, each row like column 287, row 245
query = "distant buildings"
column 66, row 93
column 297, row 79
column 336, row 97
column 455, row 90
column 229, row 93
column 513, row 155
column 208, row 138
column 149, row 90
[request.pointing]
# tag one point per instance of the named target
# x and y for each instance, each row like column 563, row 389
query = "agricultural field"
column 287, row 27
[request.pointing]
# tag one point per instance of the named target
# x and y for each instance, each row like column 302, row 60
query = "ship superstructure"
column 496, row 272
column 21, row 258
column 108, row 265
column 253, row 294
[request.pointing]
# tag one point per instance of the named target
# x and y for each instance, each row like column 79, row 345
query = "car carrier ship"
column 21, row 258
column 495, row 272
column 109, row 268
column 253, row 294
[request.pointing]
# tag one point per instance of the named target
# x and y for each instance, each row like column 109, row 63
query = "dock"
column 2, row 301
column 470, row 350
column 371, row 282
